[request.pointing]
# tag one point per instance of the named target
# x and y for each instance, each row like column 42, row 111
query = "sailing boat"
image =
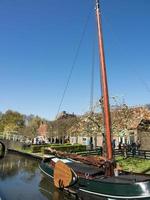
column 91, row 182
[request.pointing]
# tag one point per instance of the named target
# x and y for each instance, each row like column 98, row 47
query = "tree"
column 11, row 121
column 121, row 117
column 60, row 127
column 33, row 125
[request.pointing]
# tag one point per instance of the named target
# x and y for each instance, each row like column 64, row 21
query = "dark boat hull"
column 102, row 188
column 112, row 190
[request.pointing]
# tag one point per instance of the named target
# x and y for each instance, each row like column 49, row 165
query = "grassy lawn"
column 134, row 164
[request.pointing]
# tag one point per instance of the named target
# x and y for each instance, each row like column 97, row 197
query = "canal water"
column 21, row 179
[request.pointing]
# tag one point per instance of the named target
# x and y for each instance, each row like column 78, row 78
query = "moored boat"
column 87, row 181
column 91, row 182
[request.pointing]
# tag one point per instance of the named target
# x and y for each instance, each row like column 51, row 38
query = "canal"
column 21, row 179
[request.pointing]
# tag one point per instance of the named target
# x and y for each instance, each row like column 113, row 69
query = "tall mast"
column 105, row 97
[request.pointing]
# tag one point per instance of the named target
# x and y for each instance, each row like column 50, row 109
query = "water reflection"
column 20, row 179
column 48, row 189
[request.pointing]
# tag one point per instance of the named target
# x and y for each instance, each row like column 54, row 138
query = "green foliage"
column 58, row 147
column 67, row 148
column 38, row 148
column 11, row 121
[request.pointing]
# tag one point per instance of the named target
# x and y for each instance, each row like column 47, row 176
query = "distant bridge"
column 10, row 144
column 9, row 139
column 12, row 135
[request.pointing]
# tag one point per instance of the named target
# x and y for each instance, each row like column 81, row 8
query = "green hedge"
column 58, row 147
column 66, row 148
column 36, row 148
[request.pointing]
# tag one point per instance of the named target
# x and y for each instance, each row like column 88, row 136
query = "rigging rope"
column 74, row 62
column 92, row 78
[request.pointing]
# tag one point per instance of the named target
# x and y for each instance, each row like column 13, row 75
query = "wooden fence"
column 144, row 154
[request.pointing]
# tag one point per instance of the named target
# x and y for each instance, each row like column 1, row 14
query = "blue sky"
column 38, row 43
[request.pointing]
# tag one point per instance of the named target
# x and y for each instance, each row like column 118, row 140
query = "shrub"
column 36, row 148
column 58, row 147
column 66, row 148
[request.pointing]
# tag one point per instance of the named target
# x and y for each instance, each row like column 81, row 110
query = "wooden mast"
column 105, row 97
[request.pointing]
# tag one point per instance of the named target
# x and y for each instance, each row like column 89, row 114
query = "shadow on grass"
column 146, row 170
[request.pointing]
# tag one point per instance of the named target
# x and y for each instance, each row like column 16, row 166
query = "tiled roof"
column 137, row 115
column 121, row 118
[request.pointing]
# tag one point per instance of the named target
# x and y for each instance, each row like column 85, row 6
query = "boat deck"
column 98, row 173
column 125, row 178
column 85, row 169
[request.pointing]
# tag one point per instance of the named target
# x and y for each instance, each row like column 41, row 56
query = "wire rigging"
column 92, row 77
column 74, row 62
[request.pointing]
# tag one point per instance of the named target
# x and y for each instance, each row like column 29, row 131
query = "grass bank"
column 136, row 165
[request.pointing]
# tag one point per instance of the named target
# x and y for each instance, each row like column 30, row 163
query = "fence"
column 145, row 154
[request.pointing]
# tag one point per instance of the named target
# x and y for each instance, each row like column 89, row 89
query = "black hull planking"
column 117, row 187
